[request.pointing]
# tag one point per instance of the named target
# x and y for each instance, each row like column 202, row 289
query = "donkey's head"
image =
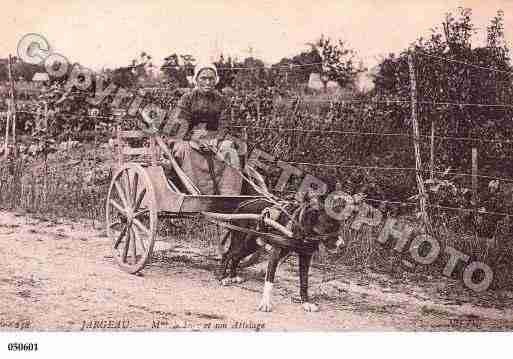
column 314, row 223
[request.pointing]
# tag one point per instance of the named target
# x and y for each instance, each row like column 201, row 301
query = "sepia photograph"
column 243, row 167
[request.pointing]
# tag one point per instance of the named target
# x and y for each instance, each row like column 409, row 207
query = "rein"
column 269, row 196
column 273, row 239
column 299, row 213
column 306, row 243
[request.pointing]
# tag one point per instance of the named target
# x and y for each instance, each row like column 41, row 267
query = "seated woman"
column 199, row 153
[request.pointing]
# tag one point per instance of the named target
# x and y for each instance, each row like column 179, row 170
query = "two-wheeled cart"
column 141, row 192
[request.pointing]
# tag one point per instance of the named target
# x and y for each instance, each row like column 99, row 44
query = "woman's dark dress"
column 205, row 113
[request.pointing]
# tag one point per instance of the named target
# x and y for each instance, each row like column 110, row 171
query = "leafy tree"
column 339, row 62
column 458, row 31
column 226, row 71
column 124, row 77
column 177, row 68
column 440, row 80
column 130, row 76
column 251, row 75
column 19, row 68
column 451, row 71
column 292, row 72
column 335, row 61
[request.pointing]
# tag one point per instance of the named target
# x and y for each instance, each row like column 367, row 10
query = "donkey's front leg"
column 276, row 255
column 226, row 250
column 304, row 268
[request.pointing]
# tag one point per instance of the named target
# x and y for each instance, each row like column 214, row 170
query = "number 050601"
column 22, row 347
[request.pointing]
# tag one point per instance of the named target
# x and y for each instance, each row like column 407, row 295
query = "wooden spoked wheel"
column 131, row 212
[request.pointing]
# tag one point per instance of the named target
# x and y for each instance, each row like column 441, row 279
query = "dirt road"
column 61, row 276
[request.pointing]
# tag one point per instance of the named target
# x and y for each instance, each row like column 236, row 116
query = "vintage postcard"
column 243, row 167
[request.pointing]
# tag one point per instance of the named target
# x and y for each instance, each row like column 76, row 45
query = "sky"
column 109, row 33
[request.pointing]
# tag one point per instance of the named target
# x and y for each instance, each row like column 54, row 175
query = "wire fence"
column 76, row 182
column 228, row 67
column 363, row 133
column 463, row 63
column 335, row 102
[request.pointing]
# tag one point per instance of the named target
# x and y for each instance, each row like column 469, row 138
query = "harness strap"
column 211, row 170
column 270, row 197
column 294, row 219
column 273, row 239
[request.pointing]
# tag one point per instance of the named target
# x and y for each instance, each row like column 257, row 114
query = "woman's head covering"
column 202, row 66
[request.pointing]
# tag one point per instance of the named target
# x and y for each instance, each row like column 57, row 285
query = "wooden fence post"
column 432, row 151
column 13, row 105
column 7, row 125
column 416, row 147
column 474, row 176
column 45, row 123
column 119, row 145
column 244, row 147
